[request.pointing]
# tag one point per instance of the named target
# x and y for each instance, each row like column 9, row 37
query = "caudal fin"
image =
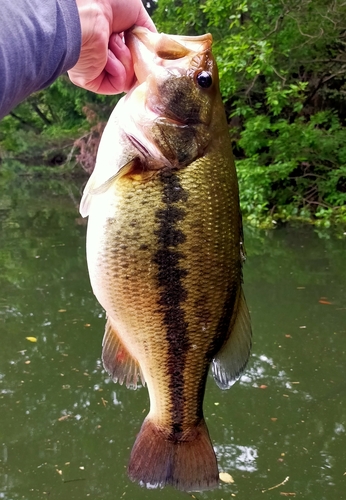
column 188, row 465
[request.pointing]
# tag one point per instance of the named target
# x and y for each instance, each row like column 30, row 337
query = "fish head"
column 172, row 116
column 173, row 103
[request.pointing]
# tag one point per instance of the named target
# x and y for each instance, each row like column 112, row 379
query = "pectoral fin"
column 116, row 156
column 117, row 360
column 93, row 187
column 233, row 356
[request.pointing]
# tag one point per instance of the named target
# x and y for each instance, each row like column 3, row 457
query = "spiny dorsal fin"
column 117, row 361
column 230, row 361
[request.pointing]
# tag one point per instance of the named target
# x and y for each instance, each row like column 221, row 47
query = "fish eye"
column 204, row 79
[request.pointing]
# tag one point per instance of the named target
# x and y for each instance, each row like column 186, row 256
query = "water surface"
column 66, row 430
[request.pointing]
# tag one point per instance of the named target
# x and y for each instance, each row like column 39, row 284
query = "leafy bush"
column 51, row 120
column 282, row 68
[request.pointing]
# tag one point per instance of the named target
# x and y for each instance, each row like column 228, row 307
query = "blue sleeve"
column 39, row 40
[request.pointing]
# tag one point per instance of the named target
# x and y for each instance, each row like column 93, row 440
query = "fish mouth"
column 151, row 51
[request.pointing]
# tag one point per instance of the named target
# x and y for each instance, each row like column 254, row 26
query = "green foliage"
column 282, row 68
column 293, row 169
column 50, row 120
column 180, row 17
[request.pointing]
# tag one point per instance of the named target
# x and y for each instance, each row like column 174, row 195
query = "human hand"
column 105, row 64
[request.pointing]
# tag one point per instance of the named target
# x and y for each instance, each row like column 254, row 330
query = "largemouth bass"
column 164, row 251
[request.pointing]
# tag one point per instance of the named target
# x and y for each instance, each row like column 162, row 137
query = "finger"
column 145, row 20
column 105, row 84
column 116, row 71
column 121, row 52
column 112, row 80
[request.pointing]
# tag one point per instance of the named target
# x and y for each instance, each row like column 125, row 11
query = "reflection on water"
column 237, row 457
column 66, row 431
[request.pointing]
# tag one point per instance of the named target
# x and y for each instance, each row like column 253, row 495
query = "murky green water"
column 66, row 430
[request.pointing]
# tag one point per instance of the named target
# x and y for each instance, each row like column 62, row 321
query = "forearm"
column 39, row 40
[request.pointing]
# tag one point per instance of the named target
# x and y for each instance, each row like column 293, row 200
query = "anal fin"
column 231, row 360
column 117, row 360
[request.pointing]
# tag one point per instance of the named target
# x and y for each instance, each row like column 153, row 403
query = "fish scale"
column 164, row 256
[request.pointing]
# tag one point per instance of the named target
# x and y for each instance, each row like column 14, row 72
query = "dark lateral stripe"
column 170, row 277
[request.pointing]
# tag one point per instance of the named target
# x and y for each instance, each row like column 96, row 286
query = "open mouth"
column 153, row 50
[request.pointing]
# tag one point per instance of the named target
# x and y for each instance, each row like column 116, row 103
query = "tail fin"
column 188, row 465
